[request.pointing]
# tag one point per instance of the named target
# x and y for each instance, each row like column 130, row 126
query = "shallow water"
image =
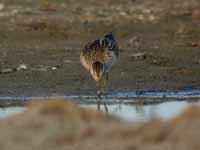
column 129, row 106
column 8, row 111
column 127, row 112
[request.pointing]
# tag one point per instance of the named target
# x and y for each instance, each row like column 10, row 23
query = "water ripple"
column 116, row 97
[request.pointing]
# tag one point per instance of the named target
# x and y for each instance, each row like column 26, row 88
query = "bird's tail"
column 97, row 69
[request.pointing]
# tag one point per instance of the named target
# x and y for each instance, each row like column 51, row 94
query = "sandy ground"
column 60, row 125
column 43, row 35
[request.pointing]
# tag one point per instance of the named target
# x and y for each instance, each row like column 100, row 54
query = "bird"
column 99, row 56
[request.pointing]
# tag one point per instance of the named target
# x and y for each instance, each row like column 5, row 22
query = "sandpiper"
column 99, row 56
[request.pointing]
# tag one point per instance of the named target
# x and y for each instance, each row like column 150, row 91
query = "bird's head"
column 97, row 70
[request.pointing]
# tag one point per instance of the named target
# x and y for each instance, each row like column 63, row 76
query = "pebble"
column 152, row 18
column 141, row 17
column 22, row 67
column 6, row 70
column 195, row 44
column 2, row 6
column 67, row 61
column 54, row 68
column 134, row 42
column 137, row 56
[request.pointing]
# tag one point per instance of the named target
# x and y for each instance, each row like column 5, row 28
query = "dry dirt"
column 62, row 125
column 42, row 35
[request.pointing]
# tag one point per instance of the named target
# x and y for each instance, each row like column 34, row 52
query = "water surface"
column 8, row 111
column 127, row 112
column 129, row 106
column 130, row 112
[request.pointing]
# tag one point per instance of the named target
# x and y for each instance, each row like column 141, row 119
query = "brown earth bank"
column 58, row 124
column 47, row 37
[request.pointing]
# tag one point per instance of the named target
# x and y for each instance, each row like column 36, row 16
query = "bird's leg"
column 99, row 96
column 98, row 89
column 106, row 108
column 107, row 77
column 105, row 83
column 98, row 106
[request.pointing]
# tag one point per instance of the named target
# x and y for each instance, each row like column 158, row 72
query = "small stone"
column 134, row 42
column 21, row 67
column 152, row 18
column 67, row 61
column 54, row 68
column 137, row 56
column 141, row 17
column 147, row 11
column 124, row 14
column 2, row 6
column 6, row 70
column 195, row 44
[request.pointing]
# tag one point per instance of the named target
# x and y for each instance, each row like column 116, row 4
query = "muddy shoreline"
column 48, row 39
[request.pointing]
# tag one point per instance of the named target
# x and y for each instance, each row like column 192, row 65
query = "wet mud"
column 47, row 39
